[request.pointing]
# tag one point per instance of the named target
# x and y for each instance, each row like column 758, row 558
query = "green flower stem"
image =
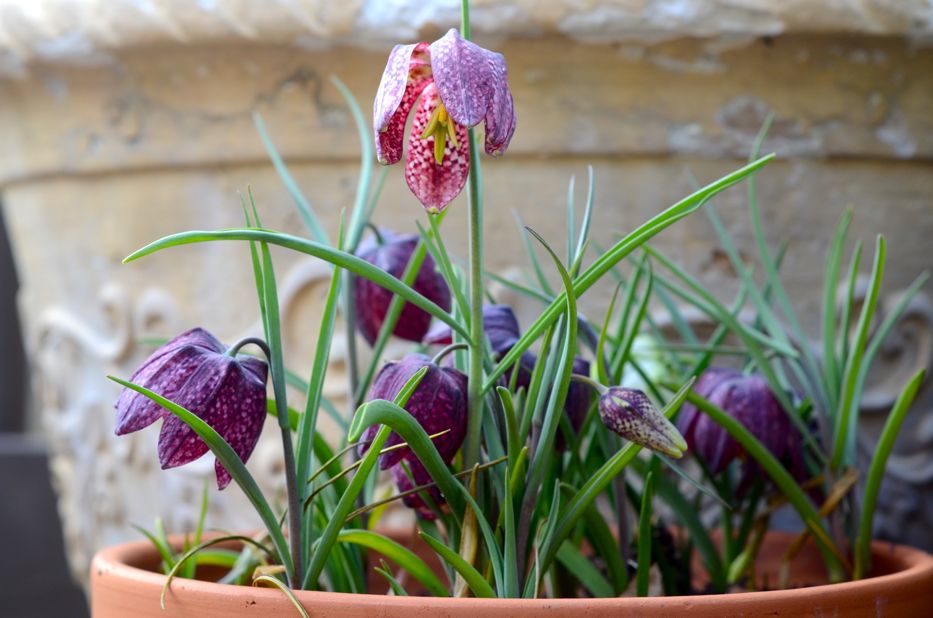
column 475, row 384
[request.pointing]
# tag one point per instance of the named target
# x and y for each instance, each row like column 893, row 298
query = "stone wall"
column 122, row 122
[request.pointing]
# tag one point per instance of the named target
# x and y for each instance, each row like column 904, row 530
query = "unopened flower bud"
column 629, row 413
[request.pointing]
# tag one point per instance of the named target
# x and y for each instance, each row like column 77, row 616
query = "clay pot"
column 123, row 584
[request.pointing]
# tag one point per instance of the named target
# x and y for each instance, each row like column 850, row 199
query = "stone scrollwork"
column 104, row 483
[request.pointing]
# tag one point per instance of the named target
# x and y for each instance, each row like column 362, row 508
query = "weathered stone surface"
column 91, row 32
column 181, row 106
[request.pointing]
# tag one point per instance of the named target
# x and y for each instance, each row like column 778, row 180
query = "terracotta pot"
column 124, row 584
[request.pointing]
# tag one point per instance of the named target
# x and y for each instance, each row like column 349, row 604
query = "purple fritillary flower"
column 460, row 84
column 502, row 330
column 499, row 324
column 421, row 477
column 439, row 403
column 372, row 300
column 749, row 400
column 577, row 402
column 194, row 371
column 629, row 413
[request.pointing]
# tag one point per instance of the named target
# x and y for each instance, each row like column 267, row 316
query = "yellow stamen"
column 441, row 127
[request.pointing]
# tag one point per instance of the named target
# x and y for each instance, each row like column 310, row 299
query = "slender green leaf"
column 229, row 459
column 398, row 554
column 830, row 284
column 642, row 574
column 394, row 584
column 853, row 364
column 615, row 254
column 584, row 571
column 473, row 578
column 879, row 461
column 343, row 259
column 308, row 216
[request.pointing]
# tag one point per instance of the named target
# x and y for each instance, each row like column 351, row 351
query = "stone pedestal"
column 122, row 122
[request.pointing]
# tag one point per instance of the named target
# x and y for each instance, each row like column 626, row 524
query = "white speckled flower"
column 197, row 372
column 460, row 85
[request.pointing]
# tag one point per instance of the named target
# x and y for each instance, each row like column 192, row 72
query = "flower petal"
column 372, row 300
column 419, row 476
column 500, row 117
column 406, row 74
column 178, row 443
column 499, row 324
column 165, row 371
column 435, row 185
column 438, row 404
column 466, row 76
column 238, row 412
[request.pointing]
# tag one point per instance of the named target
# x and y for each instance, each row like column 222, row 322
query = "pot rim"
column 917, row 573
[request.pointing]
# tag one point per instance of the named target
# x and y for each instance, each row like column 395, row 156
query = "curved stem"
column 596, row 386
column 451, row 348
column 375, row 230
column 256, row 341
column 288, row 453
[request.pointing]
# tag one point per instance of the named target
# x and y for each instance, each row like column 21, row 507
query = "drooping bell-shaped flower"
column 460, row 84
column 577, row 402
column 499, row 324
column 439, row 403
column 502, row 330
column 749, row 400
column 195, row 371
column 391, row 252
column 419, row 476
column 629, row 413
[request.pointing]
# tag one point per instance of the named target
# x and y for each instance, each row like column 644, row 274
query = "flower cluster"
column 538, row 465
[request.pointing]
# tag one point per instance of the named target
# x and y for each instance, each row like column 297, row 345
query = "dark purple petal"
column 178, row 443
column 407, row 73
column 372, row 300
column 230, row 396
column 500, row 118
column 435, row 185
column 750, row 400
column 467, row 77
column 238, row 413
column 195, row 372
column 164, row 372
column 421, row 477
column 577, row 403
column 438, row 404
column 499, row 324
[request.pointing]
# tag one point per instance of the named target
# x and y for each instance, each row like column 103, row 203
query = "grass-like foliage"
column 541, row 480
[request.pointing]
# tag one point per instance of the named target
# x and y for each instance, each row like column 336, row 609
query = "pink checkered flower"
column 460, row 84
